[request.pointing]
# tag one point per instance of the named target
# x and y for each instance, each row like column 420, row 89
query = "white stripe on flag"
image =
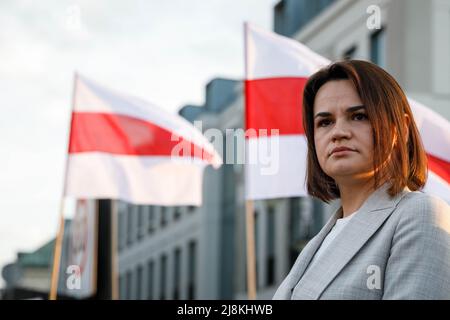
column 272, row 56
column 278, row 172
column 139, row 180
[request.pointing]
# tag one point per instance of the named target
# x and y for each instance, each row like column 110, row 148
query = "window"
column 139, row 283
column 151, row 219
column 270, row 269
column 305, row 223
column 162, row 287
column 378, row 47
column 192, row 251
column 177, row 213
column 297, row 237
column 128, row 285
column 122, row 287
column 129, row 213
column 163, row 216
column 140, row 218
column 191, row 209
column 177, row 272
column 279, row 19
column 122, row 225
column 150, row 281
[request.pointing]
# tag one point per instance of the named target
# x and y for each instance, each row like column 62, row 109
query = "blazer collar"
column 370, row 216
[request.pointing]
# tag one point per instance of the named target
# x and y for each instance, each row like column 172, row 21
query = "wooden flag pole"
column 59, row 237
column 251, row 261
column 57, row 253
column 249, row 212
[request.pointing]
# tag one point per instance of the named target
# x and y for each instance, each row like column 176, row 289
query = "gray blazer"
column 393, row 248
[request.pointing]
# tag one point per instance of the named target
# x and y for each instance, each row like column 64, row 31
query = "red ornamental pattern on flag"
column 277, row 69
column 125, row 148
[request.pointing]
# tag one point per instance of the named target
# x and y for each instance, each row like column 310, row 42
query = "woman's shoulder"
column 423, row 200
column 422, row 206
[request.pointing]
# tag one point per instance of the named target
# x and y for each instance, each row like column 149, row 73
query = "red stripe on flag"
column 125, row 135
column 439, row 167
column 274, row 104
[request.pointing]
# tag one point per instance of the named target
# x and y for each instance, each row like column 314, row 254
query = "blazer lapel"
column 314, row 244
column 360, row 228
column 303, row 260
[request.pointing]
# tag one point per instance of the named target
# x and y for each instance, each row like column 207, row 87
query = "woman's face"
column 340, row 120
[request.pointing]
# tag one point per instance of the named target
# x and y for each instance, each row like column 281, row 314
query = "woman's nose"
column 341, row 130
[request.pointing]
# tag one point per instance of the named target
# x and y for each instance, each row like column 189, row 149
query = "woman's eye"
column 360, row 116
column 324, row 123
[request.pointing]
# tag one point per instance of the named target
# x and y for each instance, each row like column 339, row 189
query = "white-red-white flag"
column 435, row 134
column 125, row 148
column 277, row 69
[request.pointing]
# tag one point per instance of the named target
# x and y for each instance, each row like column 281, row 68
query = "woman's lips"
column 341, row 150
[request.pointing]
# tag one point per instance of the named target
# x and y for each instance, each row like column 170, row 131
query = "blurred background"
column 186, row 57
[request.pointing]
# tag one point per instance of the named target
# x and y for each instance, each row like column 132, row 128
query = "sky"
column 163, row 51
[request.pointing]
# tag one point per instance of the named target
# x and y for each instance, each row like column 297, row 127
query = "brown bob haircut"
column 398, row 155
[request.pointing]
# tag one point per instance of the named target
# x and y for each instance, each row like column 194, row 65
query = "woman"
column 387, row 240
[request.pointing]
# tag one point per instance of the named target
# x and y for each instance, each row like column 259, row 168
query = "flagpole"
column 59, row 237
column 249, row 210
column 251, row 260
column 57, row 253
